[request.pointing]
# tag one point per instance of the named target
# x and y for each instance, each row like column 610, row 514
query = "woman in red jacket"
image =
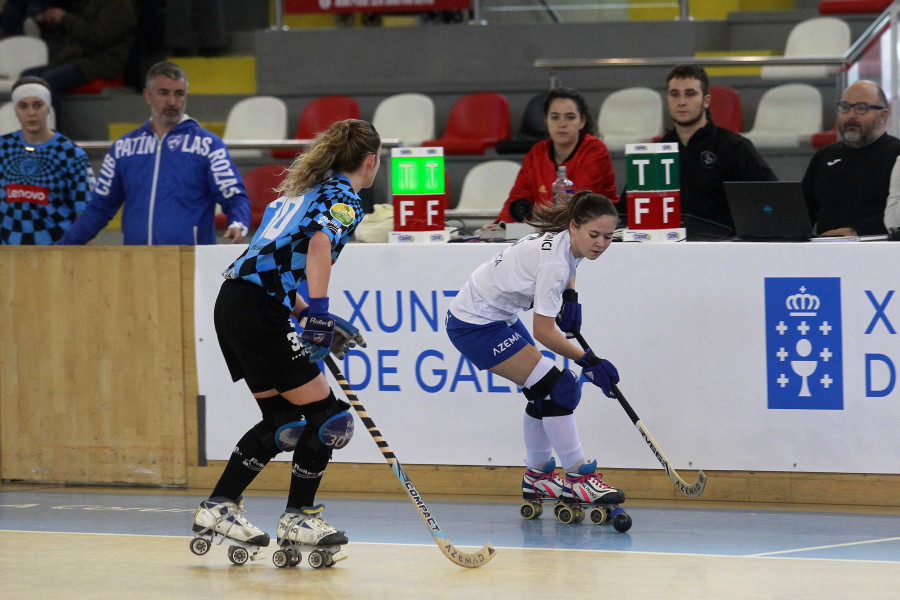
column 572, row 144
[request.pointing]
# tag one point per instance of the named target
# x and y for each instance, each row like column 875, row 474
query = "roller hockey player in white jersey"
column 301, row 235
column 483, row 323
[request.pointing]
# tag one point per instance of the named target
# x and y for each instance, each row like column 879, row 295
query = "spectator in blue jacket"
column 169, row 174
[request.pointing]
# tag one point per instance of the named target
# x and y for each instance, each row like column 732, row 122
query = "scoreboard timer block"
column 654, row 210
column 417, row 186
column 417, row 171
column 420, row 212
column 652, row 167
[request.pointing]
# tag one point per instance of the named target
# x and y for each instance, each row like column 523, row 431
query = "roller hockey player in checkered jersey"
column 483, row 323
column 301, row 234
column 45, row 179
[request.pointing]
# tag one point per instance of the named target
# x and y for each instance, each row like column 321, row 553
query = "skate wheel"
column 281, row 559
column 622, row 522
column 565, row 515
column 238, row 555
column 530, row 511
column 559, row 506
column 199, row 546
column 295, row 558
column 598, row 516
column 329, row 561
column 317, row 559
column 578, row 515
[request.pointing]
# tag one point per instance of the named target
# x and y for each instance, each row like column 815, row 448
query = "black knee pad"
column 285, row 420
column 257, row 447
column 312, row 453
column 562, row 388
column 331, row 420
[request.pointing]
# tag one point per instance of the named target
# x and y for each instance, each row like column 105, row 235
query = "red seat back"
column 260, row 182
column 317, row 116
column 476, row 122
column 726, row 109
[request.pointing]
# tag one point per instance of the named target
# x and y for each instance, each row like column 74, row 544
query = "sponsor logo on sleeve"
column 343, row 213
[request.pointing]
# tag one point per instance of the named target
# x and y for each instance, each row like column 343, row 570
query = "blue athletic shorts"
column 487, row 345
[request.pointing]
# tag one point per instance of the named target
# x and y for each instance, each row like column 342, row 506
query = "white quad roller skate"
column 224, row 518
column 304, row 530
column 585, row 489
column 540, row 485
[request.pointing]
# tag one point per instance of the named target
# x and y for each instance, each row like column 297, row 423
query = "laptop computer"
column 768, row 211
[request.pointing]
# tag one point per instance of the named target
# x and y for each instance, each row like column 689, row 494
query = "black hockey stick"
column 463, row 559
column 693, row 489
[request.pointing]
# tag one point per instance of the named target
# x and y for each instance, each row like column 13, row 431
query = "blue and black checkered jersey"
column 42, row 188
column 276, row 257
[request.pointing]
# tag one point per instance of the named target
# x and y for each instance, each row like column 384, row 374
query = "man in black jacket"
column 708, row 155
column 846, row 183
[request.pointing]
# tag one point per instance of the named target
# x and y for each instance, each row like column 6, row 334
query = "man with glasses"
column 846, row 183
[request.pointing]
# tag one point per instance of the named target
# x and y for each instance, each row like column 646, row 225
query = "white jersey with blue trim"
column 533, row 271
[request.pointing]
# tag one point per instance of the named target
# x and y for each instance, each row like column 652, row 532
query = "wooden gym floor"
column 77, row 543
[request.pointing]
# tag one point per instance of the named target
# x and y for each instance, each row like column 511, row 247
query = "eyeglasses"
column 859, row 108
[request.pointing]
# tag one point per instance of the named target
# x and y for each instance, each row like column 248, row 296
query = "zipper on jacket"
column 159, row 142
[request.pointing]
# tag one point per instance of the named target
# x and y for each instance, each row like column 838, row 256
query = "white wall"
column 686, row 325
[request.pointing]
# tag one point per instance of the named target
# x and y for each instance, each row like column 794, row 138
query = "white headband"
column 31, row 90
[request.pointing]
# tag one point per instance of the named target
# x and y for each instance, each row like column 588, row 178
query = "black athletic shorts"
column 258, row 340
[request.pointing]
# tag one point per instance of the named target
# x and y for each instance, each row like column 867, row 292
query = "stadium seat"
column 845, row 7
column 317, row 116
column 17, row 53
column 260, row 182
column 629, row 116
column 824, row 138
column 255, row 118
column 405, row 117
column 786, row 115
column 486, row 186
column 476, row 122
column 532, row 130
column 96, row 86
column 819, row 36
column 9, row 122
column 726, row 108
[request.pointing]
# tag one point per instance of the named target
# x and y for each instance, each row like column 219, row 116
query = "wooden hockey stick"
column 693, row 489
column 463, row 559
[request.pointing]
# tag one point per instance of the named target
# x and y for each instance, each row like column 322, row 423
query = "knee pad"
column 257, row 446
column 566, row 392
column 563, row 389
column 287, row 436
column 333, row 423
column 337, row 430
column 284, row 420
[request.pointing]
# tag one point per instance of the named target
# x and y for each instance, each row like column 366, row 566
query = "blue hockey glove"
column 346, row 336
column 569, row 318
column 318, row 329
column 600, row 372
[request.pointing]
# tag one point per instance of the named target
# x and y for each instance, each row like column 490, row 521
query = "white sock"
column 542, row 368
column 563, row 437
column 537, row 444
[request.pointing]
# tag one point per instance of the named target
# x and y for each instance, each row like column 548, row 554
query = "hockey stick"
column 693, row 489
column 463, row 559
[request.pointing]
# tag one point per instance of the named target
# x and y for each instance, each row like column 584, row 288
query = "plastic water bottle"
column 563, row 188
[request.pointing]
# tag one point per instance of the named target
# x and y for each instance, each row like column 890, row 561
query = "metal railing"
column 852, row 54
column 104, row 145
column 889, row 19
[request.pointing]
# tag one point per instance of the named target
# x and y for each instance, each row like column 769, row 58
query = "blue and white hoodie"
column 169, row 187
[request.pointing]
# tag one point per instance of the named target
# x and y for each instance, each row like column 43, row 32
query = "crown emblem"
column 802, row 304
